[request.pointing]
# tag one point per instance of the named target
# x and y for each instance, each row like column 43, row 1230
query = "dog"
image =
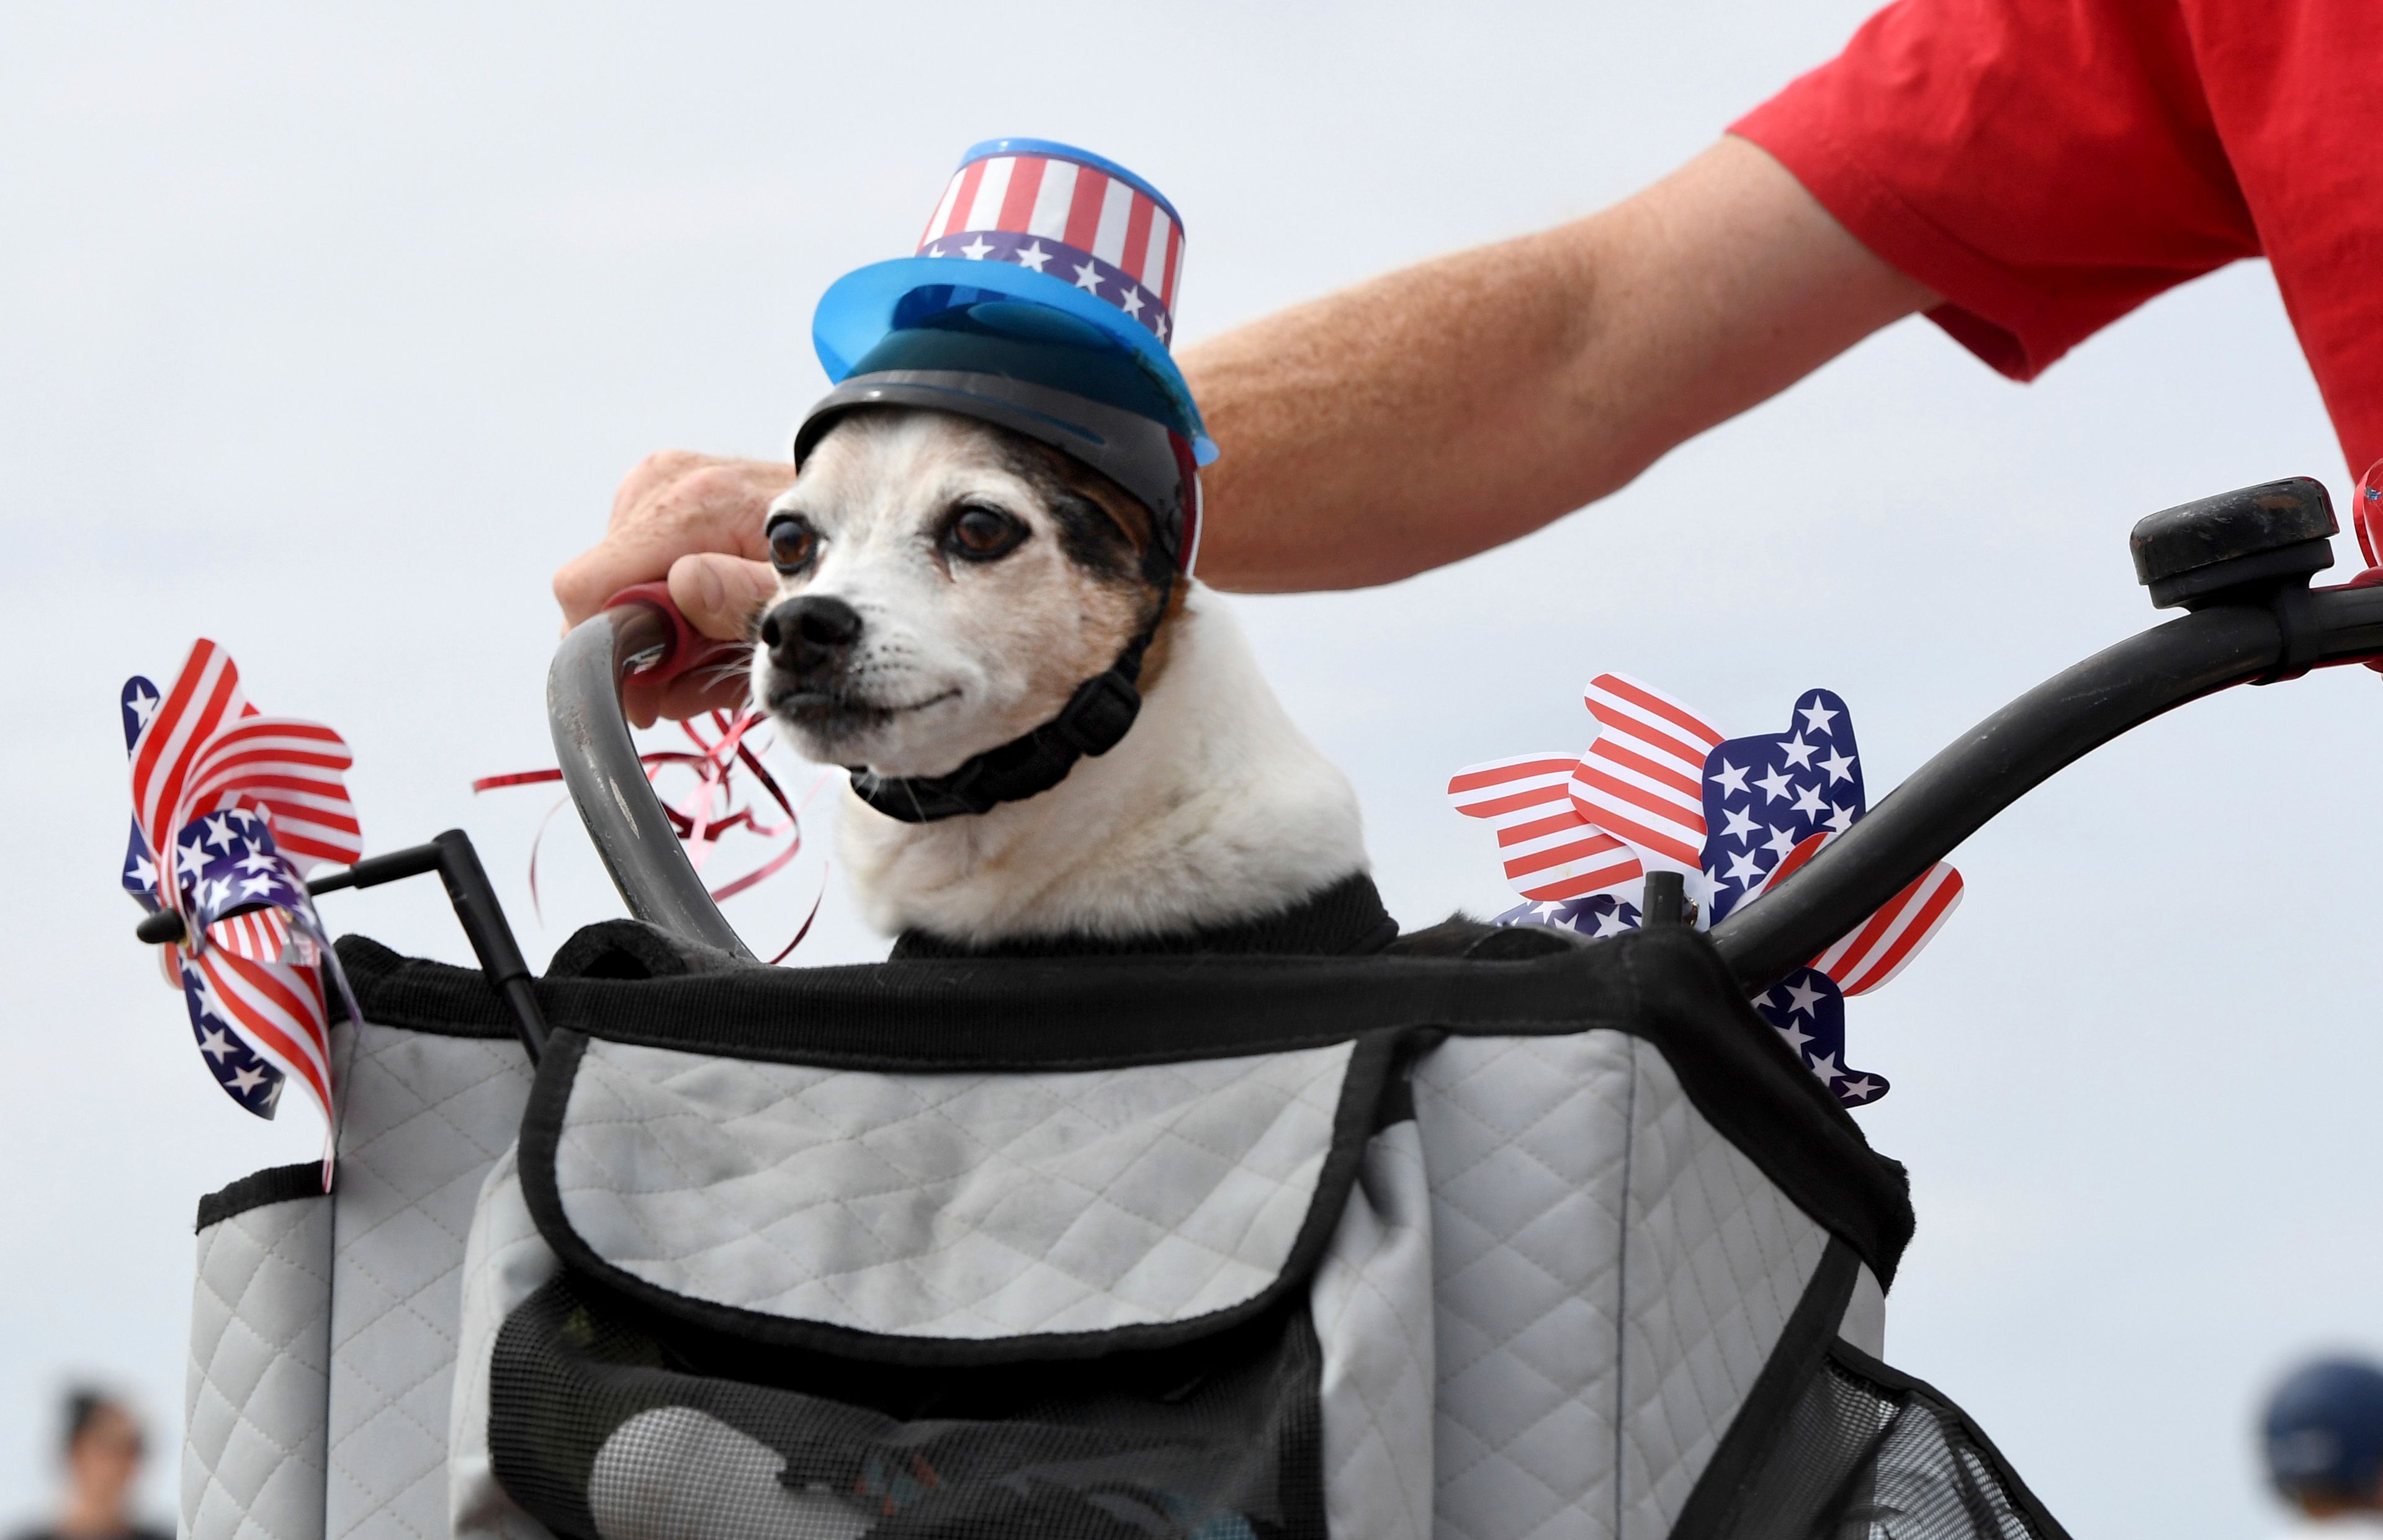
column 945, row 585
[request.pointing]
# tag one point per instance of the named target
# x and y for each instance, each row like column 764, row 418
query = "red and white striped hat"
column 1028, row 220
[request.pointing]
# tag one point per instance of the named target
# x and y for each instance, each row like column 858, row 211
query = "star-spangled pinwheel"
column 1660, row 789
column 230, row 809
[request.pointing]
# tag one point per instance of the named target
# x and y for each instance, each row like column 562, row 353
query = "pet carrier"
column 1476, row 1234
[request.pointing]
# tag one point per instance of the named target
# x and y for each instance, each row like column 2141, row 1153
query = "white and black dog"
column 947, row 587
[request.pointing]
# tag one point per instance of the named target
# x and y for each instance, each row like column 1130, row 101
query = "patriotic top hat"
column 1045, row 269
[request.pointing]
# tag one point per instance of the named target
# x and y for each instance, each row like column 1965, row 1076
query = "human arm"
column 1439, row 410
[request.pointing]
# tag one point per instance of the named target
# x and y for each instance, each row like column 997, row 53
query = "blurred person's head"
column 2324, row 1438
column 103, row 1449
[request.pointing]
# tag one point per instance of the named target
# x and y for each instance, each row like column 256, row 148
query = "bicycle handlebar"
column 2253, row 550
column 2016, row 749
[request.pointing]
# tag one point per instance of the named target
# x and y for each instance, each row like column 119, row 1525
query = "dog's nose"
column 807, row 634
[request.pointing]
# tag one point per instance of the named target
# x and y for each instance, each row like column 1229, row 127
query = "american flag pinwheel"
column 1659, row 789
column 230, row 809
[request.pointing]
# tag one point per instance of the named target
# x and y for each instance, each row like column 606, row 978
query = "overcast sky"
column 327, row 331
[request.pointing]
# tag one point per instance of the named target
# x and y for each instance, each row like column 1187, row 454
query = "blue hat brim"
column 858, row 310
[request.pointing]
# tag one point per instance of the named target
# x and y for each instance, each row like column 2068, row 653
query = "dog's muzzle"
column 1093, row 723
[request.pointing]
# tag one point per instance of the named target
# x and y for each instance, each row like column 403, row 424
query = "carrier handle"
column 638, row 631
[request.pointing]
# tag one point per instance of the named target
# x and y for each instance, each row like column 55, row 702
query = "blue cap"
column 2324, row 1432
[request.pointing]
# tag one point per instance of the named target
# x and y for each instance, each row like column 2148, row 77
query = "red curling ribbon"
column 710, row 809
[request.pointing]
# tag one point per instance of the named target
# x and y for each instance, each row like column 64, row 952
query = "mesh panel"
column 1875, row 1456
column 609, row 1424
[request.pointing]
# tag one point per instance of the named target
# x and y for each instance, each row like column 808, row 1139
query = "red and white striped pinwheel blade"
column 1883, row 945
column 290, row 768
column 277, row 1010
column 1642, row 780
column 261, row 936
column 1551, row 852
column 203, row 698
column 1887, row 941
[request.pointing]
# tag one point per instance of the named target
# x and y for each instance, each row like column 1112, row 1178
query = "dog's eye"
column 793, row 543
column 981, row 534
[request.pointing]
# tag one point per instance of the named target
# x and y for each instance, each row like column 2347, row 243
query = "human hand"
column 696, row 521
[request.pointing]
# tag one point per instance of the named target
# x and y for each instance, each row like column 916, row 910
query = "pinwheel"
column 230, row 809
column 1660, row 789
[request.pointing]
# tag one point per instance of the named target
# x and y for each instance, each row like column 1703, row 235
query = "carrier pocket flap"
column 964, row 1217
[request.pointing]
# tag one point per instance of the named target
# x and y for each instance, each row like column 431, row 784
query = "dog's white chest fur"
column 1214, row 809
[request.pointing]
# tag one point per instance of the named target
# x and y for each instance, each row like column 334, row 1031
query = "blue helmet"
column 2324, row 1434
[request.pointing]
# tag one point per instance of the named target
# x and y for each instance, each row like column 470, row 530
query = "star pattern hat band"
column 1105, row 233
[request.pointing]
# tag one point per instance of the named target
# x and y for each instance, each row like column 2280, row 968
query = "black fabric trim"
column 275, row 1184
column 1462, row 936
column 1353, row 1122
column 633, row 949
column 1667, row 985
column 1894, row 1379
column 1756, row 1093
column 419, row 994
column 1344, row 919
column 1761, row 1418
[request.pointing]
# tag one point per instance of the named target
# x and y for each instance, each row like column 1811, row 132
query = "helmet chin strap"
column 1093, row 720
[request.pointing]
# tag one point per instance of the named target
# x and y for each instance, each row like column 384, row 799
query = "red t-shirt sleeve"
column 2045, row 165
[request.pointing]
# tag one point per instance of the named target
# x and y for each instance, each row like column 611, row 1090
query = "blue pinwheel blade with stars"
column 245, row 1077
column 1595, row 916
column 237, row 886
column 1810, row 1014
column 139, row 702
column 1766, row 793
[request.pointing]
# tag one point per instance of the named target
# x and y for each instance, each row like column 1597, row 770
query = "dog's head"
column 944, row 586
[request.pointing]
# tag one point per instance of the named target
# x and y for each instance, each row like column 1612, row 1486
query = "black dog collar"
column 1093, row 723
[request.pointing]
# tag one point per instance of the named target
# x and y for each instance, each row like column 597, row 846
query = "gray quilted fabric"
column 1865, row 1320
column 948, row 1205
column 1548, row 1344
column 426, row 1116
column 1610, row 1275
column 506, row 1261
column 1714, row 1260
column 259, row 1376
column 1371, row 1302
column 1525, row 1140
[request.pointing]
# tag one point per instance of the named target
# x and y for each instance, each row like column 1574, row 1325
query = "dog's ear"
column 1105, row 529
